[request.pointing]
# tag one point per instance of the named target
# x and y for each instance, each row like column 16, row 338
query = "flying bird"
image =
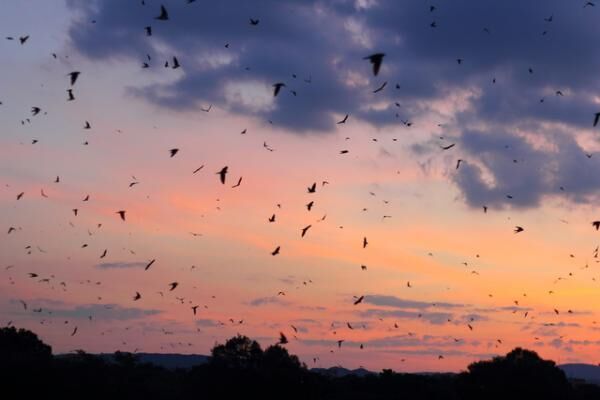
column 376, row 60
column 518, row 229
column 380, row 88
column 222, row 173
column 173, row 285
column 73, row 75
column 276, row 251
column 282, row 338
column 121, row 214
column 343, row 121
column 149, row 264
column 164, row 14
column 305, row 229
column 239, row 182
column 359, row 300
column 172, row 152
column 277, row 88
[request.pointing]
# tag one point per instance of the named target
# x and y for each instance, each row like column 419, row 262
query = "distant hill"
column 339, row 372
column 588, row 372
column 168, row 361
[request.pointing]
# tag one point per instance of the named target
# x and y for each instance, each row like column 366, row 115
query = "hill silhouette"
column 240, row 368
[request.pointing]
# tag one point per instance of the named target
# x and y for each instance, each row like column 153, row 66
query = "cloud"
column 261, row 301
column 121, row 265
column 516, row 165
column 106, row 312
column 435, row 318
column 207, row 323
column 392, row 301
column 324, row 42
column 301, row 38
column 399, row 341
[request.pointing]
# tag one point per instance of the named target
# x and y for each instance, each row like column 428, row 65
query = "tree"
column 22, row 348
column 521, row 373
column 277, row 357
column 238, row 352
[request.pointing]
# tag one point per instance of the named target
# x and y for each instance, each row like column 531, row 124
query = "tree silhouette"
column 23, row 348
column 277, row 357
column 241, row 369
column 520, row 373
column 238, row 352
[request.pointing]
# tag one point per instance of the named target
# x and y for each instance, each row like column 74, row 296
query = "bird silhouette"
column 164, row 14
column 305, row 229
column 282, row 339
column 239, row 182
column 380, row 88
column 149, row 264
column 596, row 118
column 222, row 173
column 376, row 60
column 73, row 76
column 277, row 87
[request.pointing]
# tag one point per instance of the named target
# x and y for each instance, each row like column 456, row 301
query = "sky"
column 485, row 124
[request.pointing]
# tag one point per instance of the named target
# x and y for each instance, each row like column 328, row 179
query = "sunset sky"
column 514, row 85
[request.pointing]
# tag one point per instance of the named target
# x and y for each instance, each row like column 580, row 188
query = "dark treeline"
column 241, row 369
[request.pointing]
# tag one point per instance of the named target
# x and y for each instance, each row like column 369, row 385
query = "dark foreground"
column 240, row 369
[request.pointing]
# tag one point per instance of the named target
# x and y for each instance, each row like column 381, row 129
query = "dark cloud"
column 392, row 301
column 326, row 41
column 121, row 265
column 107, row 312
column 435, row 318
column 261, row 301
column 402, row 341
column 539, row 170
column 207, row 323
